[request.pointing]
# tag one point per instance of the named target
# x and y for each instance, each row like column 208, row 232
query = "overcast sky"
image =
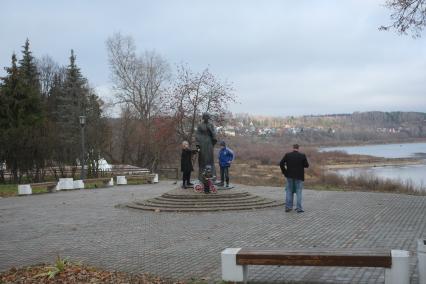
column 283, row 57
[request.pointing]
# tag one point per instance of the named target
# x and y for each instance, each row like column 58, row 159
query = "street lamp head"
column 82, row 120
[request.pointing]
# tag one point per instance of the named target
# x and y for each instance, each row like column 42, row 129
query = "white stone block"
column 399, row 273
column 230, row 270
column 155, row 180
column 121, row 180
column 111, row 182
column 421, row 257
column 24, row 189
column 78, row 184
column 65, row 183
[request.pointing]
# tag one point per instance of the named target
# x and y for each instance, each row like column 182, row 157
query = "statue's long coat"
column 205, row 137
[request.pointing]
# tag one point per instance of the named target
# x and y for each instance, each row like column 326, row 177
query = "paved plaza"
column 88, row 226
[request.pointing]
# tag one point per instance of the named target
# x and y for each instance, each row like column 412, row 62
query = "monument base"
column 187, row 200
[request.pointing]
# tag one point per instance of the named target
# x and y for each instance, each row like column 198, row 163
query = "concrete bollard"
column 230, row 270
column 79, row 184
column 155, row 180
column 65, row 183
column 25, row 189
column 421, row 257
column 121, row 180
column 111, row 182
column 399, row 273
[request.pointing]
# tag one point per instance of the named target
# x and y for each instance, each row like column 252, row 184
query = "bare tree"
column 194, row 94
column 407, row 15
column 140, row 83
column 126, row 128
column 47, row 69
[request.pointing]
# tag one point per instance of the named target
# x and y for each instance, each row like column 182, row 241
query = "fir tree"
column 9, row 117
column 71, row 103
column 29, row 78
column 68, row 99
column 28, row 69
column 22, row 118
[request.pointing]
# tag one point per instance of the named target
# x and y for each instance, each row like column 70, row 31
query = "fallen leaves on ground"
column 73, row 274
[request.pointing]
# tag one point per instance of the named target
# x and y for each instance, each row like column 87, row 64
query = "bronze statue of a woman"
column 205, row 138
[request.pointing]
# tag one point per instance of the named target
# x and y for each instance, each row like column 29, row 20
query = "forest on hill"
column 330, row 129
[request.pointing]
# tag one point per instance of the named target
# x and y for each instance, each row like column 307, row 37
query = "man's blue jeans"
column 297, row 185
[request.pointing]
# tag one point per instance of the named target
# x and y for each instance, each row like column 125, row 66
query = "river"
column 415, row 174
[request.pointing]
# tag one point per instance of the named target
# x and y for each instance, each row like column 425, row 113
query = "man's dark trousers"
column 224, row 175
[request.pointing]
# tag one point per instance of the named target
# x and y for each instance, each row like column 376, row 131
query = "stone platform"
column 186, row 200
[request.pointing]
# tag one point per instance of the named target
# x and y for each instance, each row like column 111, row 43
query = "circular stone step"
column 186, row 200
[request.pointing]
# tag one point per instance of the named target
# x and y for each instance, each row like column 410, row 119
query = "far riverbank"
column 377, row 163
column 404, row 163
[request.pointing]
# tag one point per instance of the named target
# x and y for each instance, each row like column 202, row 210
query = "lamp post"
column 82, row 124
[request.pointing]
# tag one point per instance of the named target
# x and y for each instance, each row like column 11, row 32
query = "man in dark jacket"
column 293, row 166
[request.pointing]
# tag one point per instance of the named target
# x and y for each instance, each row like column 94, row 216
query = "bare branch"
column 194, row 94
column 408, row 15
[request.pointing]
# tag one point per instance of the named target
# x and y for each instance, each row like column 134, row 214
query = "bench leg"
column 245, row 274
column 399, row 273
column 230, row 270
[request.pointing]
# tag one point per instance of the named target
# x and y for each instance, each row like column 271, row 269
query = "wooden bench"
column 50, row 186
column 235, row 261
column 147, row 177
column 104, row 180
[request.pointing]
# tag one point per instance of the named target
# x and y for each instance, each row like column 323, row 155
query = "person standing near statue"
column 226, row 156
column 293, row 166
column 205, row 138
column 186, row 164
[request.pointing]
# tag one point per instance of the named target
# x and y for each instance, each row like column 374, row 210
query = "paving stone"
column 87, row 226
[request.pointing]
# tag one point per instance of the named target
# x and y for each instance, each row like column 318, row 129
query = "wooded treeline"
column 40, row 105
column 41, row 102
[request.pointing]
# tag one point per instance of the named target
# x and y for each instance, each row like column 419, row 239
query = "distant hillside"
column 333, row 128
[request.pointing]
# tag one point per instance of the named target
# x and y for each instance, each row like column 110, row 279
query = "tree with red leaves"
column 194, row 94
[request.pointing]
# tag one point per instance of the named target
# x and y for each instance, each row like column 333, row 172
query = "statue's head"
column 206, row 117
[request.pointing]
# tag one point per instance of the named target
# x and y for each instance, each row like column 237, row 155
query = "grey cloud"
column 284, row 57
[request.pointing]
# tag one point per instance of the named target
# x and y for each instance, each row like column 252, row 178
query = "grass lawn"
column 8, row 190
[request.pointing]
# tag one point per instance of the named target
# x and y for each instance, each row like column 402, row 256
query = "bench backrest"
column 350, row 258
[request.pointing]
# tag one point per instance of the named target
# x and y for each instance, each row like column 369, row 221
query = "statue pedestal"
column 187, row 200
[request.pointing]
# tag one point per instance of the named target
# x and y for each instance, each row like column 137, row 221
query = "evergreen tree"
column 28, row 69
column 9, row 92
column 97, row 133
column 55, row 133
column 70, row 104
column 70, row 99
column 21, row 116
column 37, row 134
column 35, row 128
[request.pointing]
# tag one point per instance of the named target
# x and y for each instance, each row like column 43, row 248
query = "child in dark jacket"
column 207, row 177
column 186, row 164
column 226, row 156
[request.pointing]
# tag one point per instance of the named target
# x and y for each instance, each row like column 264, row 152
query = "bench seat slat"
column 350, row 258
column 42, row 184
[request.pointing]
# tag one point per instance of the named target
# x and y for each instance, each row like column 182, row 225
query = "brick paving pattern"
column 86, row 225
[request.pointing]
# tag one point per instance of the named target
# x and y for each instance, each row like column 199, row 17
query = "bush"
column 371, row 183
